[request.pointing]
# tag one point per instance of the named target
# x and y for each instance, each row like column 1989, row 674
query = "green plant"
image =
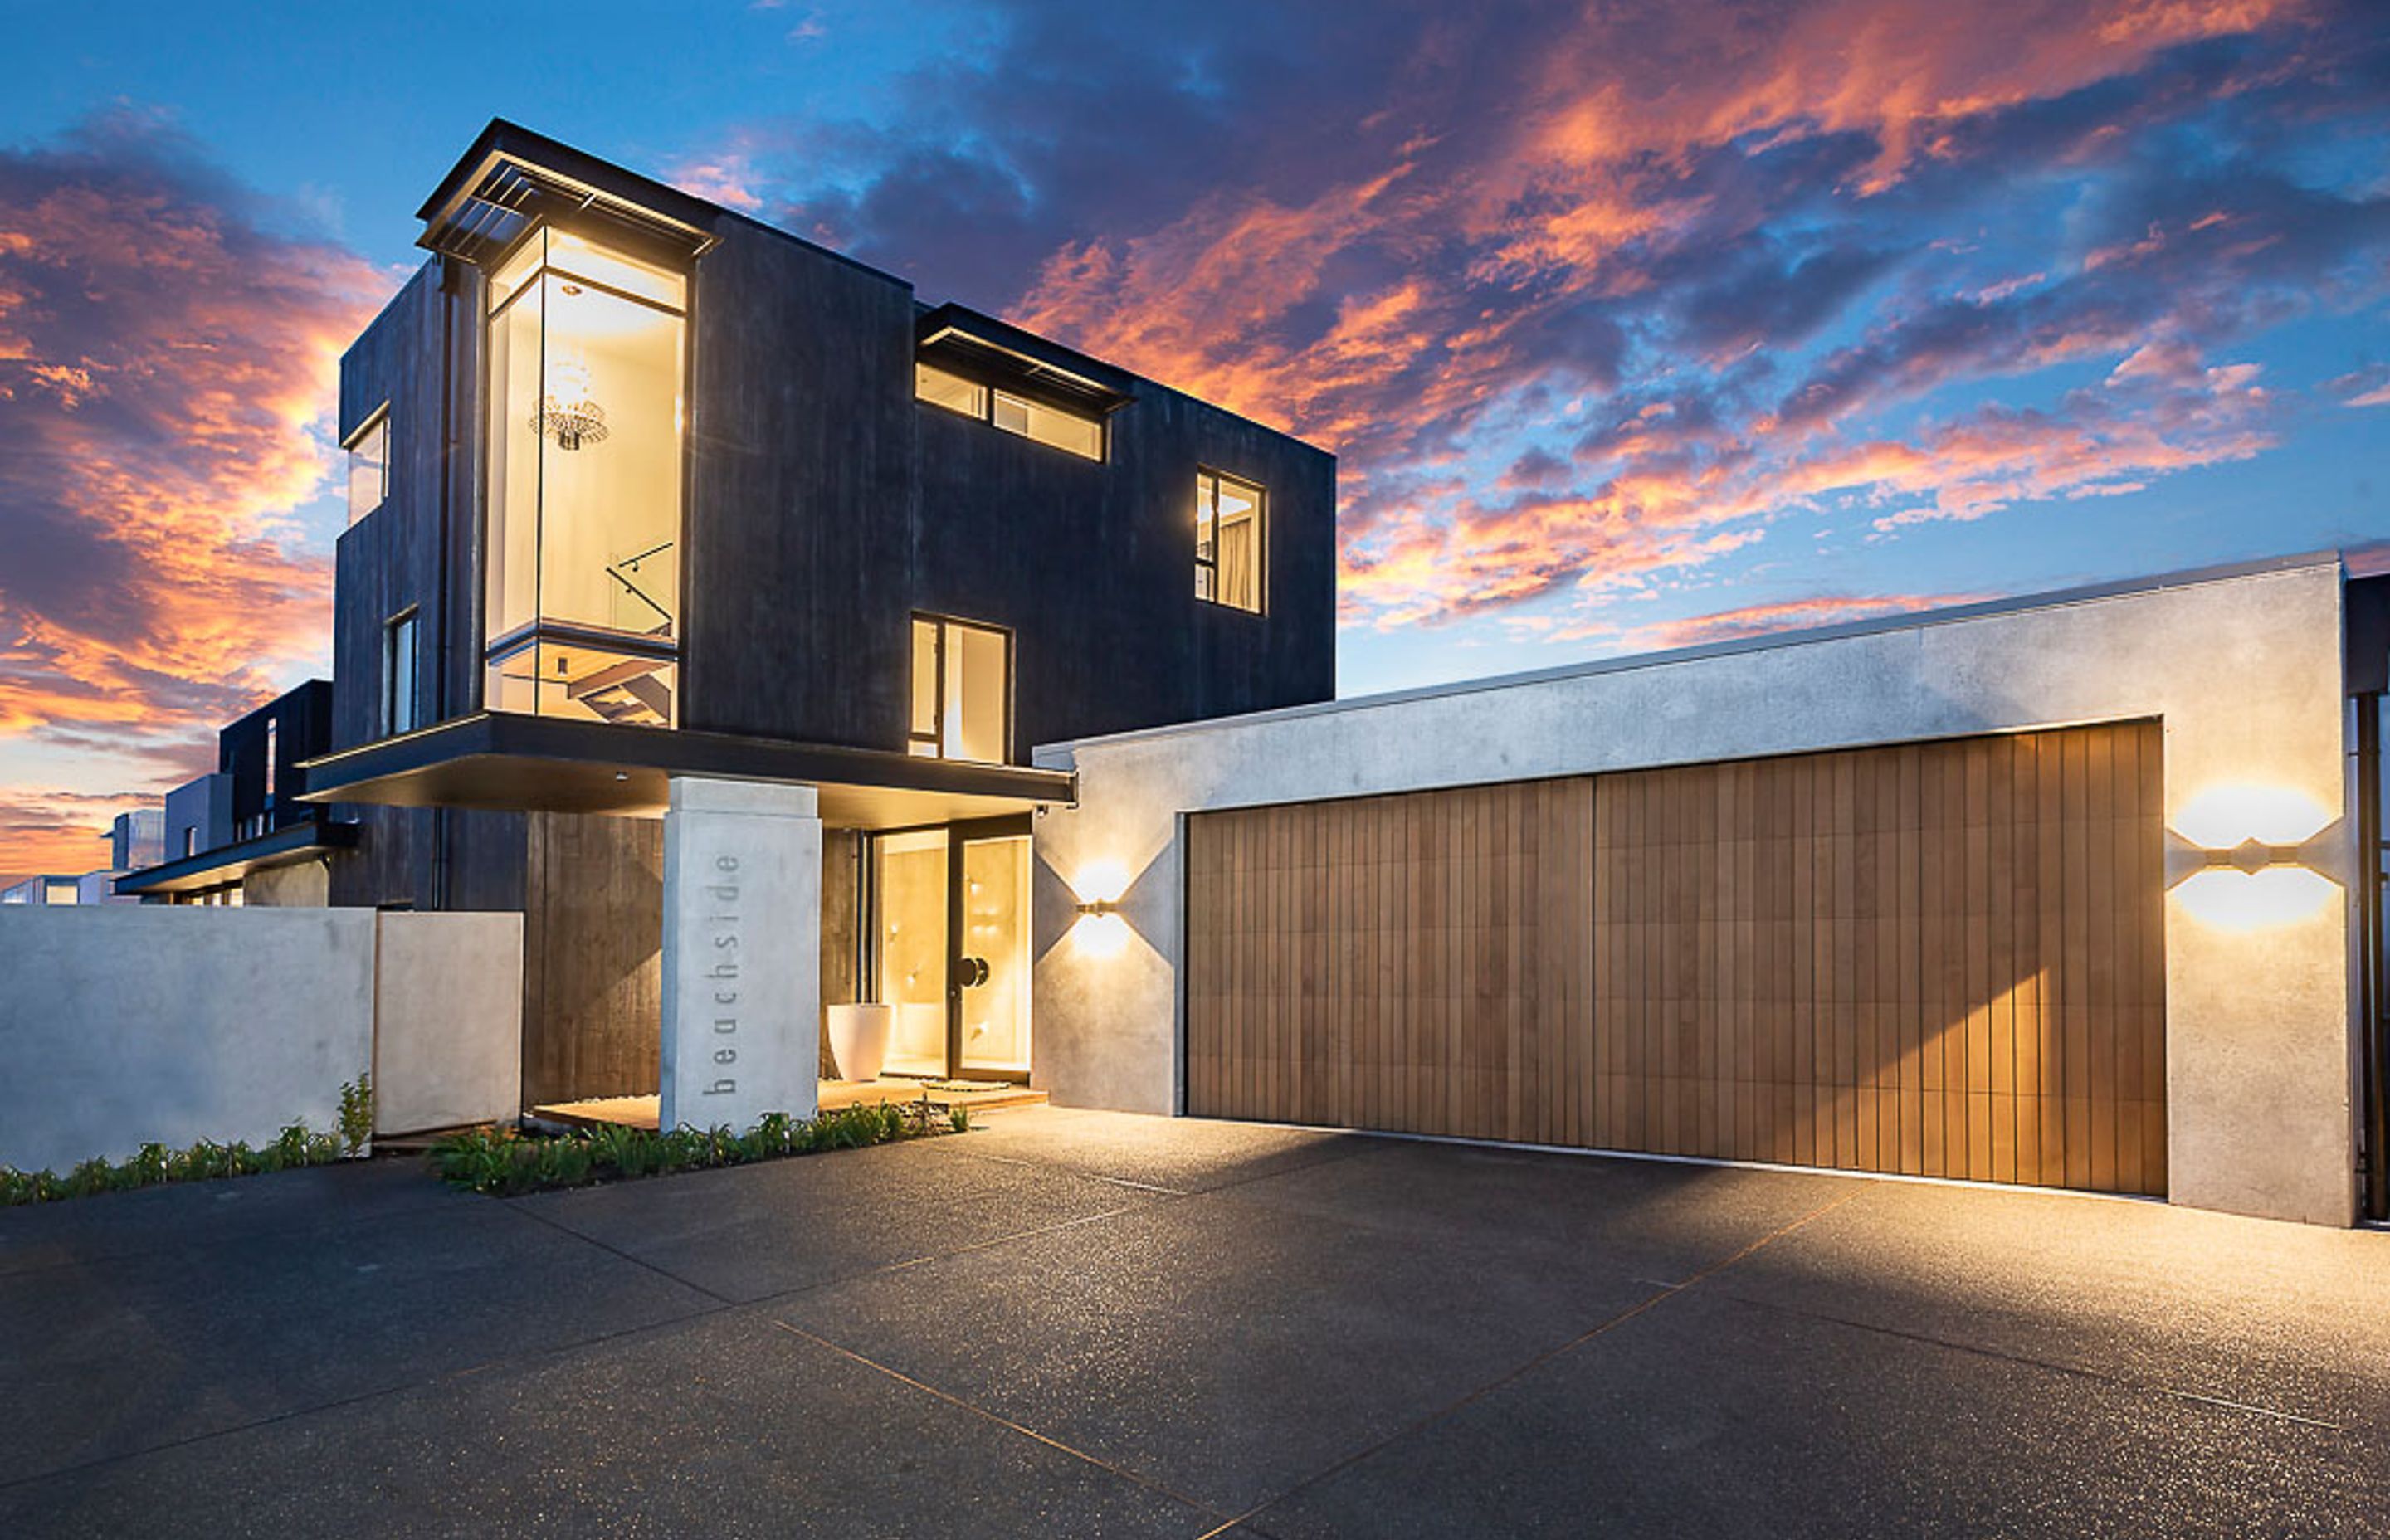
column 505, row 1161
column 154, row 1164
column 356, row 1114
column 959, row 1117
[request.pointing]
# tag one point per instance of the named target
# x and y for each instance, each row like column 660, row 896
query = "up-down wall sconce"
column 2245, row 858
column 1100, row 932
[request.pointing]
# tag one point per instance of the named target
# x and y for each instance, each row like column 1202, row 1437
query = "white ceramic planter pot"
column 858, row 1039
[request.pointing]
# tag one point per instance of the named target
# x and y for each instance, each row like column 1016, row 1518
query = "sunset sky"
column 1633, row 324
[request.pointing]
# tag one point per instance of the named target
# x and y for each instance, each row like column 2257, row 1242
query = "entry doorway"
column 949, row 948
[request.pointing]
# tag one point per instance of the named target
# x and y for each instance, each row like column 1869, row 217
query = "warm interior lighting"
column 2230, row 899
column 2225, row 817
column 567, row 413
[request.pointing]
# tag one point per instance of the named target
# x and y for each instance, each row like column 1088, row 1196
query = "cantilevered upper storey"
column 625, row 461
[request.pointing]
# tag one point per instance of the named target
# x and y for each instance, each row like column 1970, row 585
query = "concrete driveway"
column 1075, row 1323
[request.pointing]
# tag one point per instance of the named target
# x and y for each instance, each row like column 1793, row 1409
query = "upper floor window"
column 370, row 465
column 399, row 699
column 1229, row 541
column 1083, row 436
column 273, row 752
column 586, row 427
column 963, row 690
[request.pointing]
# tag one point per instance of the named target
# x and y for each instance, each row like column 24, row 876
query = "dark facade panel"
column 1092, row 565
column 801, row 446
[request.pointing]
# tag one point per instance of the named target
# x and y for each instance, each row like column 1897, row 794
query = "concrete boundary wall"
column 447, row 1020
column 128, row 1024
column 2242, row 669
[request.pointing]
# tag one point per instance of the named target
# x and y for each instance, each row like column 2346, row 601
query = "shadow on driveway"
column 1075, row 1323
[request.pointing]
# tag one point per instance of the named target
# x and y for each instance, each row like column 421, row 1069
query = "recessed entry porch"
column 915, row 893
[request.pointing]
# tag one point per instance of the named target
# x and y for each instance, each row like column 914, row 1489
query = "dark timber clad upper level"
column 823, row 506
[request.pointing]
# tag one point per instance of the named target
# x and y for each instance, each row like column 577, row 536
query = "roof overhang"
column 511, row 179
column 1003, row 354
column 306, row 840
column 500, row 761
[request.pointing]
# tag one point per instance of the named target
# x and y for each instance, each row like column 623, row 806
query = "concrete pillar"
column 742, row 952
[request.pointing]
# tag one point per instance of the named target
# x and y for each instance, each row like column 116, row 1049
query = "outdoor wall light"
column 2246, row 858
column 1100, row 932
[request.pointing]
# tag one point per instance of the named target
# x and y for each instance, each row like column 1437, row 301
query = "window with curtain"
column 1229, row 530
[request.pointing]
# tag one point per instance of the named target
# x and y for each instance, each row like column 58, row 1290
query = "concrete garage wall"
column 124, row 1025
column 448, row 1020
column 2243, row 668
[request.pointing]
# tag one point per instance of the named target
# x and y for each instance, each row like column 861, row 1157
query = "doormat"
column 959, row 1086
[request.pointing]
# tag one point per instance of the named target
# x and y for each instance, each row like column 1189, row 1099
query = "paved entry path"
column 1075, row 1323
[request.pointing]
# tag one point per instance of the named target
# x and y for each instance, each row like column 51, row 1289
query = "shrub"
column 154, row 1164
column 505, row 1161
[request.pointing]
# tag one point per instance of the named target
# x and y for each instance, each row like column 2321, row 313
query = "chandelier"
column 565, row 412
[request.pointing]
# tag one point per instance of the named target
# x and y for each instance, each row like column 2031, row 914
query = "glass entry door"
column 950, row 949
column 991, row 967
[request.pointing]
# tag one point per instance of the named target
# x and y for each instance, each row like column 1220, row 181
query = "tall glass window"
column 586, row 350
column 369, row 467
column 1229, row 541
column 963, row 690
column 398, row 689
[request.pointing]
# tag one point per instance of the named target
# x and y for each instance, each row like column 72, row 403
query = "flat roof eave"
column 499, row 762
column 281, row 847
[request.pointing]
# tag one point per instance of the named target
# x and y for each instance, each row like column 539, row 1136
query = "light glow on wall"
column 2225, row 817
column 1101, row 935
column 1100, row 881
column 1100, row 932
column 2230, row 899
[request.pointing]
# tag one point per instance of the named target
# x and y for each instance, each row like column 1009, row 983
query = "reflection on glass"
column 369, row 468
column 585, row 454
column 995, row 909
column 553, row 678
column 912, row 948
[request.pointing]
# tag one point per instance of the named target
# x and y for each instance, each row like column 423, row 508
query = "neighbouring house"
column 49, row 890
column 708, row 597
column 239, row 834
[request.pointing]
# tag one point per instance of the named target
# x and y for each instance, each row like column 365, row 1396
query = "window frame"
column 991, row 396
column 1211, row 564
column 931, row 745
column 407, row 621
column 377, row 419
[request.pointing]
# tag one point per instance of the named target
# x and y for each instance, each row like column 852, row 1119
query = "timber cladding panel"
column 1942, row 958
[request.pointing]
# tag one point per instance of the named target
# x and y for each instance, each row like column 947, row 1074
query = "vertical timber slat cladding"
column 1944, row 959
column 592, row 930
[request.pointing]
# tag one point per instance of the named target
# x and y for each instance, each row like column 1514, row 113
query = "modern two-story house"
column 642, row 489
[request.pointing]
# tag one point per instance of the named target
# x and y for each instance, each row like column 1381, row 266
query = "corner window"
column 400, row 712
column 370, row 465
column 1083, row 436
column 190, row 840
column 585, row 406
column 1230, row 527
column 963, row 690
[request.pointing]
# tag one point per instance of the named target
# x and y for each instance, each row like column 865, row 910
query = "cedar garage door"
column 1941, row 958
